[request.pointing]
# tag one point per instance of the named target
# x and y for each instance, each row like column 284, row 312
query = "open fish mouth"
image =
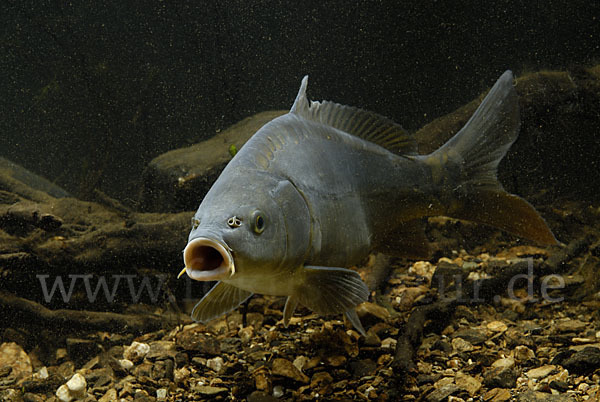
column 207, row 260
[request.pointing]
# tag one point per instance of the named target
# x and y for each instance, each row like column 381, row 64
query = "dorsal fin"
column 360, row 123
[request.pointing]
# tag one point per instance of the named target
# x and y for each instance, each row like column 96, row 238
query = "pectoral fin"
column 327, row 290
column 221, row 299
column 288, row 310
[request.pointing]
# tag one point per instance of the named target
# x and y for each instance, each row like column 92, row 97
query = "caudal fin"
column 467, row 166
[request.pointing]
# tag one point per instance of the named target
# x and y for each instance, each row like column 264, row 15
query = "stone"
column 195, row 339
column 497, row 395
column 540, row 372
column 82, row 350
column 535, row 396
column 461, row 345
column 13, row 356
column 209, row 390
column 372, row 312
column 582, row 362
column 136, row 351
column 497, row 326
column 361, row 368
column 467, row 382
column 246, row 334
column 470, row 335
column 162, row 350
column 440, row 394
column 569, row 325
column 64, row 394
column 500, row 377
column 285, row 368
column 523, row 353
column 126, row 364
column 178, row 180
column 215, row 364
column 506, row 362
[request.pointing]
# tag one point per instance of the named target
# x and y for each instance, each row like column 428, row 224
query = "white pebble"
column 64, row 394
column 136, row 351
column 77, row 385
column 215, row 364
column 277, row 391
column 42, row 373
column 126, row 364
column 161, row 393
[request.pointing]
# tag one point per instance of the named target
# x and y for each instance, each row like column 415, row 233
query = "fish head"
column 245, row 227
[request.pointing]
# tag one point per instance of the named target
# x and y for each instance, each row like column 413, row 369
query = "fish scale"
column 314, row 191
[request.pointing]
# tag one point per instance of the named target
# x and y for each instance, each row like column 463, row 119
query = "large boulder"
column 179, row 179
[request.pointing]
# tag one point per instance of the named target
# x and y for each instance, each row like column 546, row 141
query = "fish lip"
column 225, row 269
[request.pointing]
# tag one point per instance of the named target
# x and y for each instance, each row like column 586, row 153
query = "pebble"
column 497, row 326
column 215, row 364
column 540, row 372
column 468, row 383
column 506, row 363
column 523, row 353
column 13, row 356
column 136, row 351
column 286, row 368
column 569, row 325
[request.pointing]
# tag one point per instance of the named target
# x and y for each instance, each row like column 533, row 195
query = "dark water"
column 91, row 91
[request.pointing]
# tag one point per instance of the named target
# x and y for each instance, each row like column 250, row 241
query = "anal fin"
column 221, row 299
column 504, row 211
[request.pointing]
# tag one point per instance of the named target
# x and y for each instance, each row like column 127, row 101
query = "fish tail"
column 466, row 166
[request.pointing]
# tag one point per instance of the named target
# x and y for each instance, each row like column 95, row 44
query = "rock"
column 246, row 334
column 126, row 364
column 161, row 393
column 497, row 326
column 569, row 325
column 179, row 179
column 286, row 368
column 534, row 396
column 13, row 356
column 506, row 363
column 335, row 361
column 215, row 364
column 136, row 351
column 497, row 395
column 500, row 377
column 82, row 350
column 473, row 336
column 461, row 345
column 260, row 396
column 361, row 368
column 440, row 394
column 467, row 382
column 540, row 372
column 63, row 394
column 77, row 386
column 160, row 350
column 195, row 339
column 369, row 312
column 582, row 362
column 209, row 390
column 523, row 353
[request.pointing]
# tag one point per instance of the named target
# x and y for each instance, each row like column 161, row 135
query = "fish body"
column 316, row 190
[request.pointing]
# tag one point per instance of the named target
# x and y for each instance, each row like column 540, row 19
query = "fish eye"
column 195, row 223
column 258, row 222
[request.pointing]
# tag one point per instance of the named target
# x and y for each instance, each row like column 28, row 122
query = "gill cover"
column 296, row 220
